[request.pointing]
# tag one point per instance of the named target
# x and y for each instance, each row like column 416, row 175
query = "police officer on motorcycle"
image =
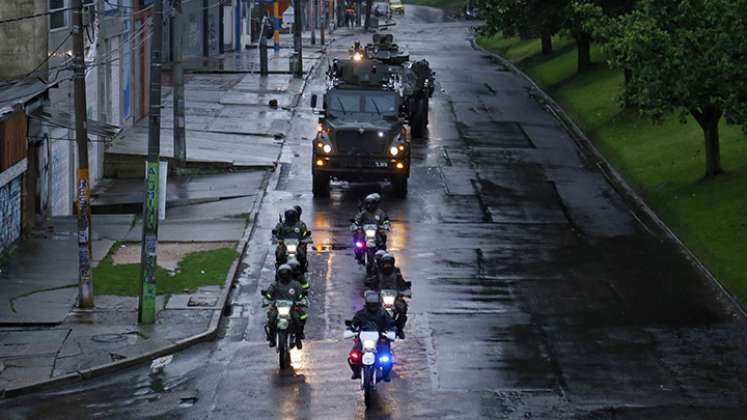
column 292, row 227
column 371, row 214
column 389, row 276
column 298, row 274
column 371, row 318
column 285, row 288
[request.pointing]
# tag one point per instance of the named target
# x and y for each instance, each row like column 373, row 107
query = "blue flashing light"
column 384, row 359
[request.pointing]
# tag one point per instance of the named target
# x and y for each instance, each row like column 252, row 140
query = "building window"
column 57, row 14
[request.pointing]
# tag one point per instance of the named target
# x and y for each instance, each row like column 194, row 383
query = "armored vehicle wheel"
column 320, row 186
column 399, row 186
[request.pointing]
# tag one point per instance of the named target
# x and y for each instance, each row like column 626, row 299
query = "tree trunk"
column 546, row 43
column 709, row 119
column 583, row 42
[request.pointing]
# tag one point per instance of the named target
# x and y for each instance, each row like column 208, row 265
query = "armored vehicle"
column 372, row 99
column 361, row 136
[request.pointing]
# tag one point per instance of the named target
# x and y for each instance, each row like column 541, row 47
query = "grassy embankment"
column 197, row 269
column 665, row 163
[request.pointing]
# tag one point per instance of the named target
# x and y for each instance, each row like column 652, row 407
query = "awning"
column 65, row 120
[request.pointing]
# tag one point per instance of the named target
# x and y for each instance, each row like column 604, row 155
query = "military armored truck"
column 372, row 99
column 417, row 80
column 361, row 135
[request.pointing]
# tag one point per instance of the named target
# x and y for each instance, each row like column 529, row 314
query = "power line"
column 34, row 16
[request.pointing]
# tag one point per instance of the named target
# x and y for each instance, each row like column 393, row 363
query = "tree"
column 525, row 18
column 578, row 19
column 687, row 56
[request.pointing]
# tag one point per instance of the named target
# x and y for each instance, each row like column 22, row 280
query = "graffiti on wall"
column 10, row 213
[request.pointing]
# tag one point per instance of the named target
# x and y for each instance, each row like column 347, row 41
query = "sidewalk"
column 234, row 141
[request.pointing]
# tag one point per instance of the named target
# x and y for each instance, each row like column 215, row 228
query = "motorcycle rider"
column 371, row 214
column 371, row 318
column 375, row 268
column 285, row 288
column 298, row 274
column 389, row 276
column 292, row 227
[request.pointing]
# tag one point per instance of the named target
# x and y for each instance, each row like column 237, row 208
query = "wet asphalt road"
column 537, row 292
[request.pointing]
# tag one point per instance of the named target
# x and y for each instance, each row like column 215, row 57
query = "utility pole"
column 312, row 19
column 147, row 298
column 83, row 186
column 297, row 38
column 322, row 20
column 180, row 131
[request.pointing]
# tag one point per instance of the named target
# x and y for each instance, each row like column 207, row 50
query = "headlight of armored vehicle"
column 327, row 148
column 394, row 150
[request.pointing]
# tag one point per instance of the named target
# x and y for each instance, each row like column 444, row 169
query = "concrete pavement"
column 231, row 146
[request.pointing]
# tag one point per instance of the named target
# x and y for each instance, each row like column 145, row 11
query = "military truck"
column 362, row 135
column 417, row 80
column 372, row 99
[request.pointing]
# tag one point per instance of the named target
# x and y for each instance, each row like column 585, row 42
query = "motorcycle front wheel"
column 368, row 386
column 283, row 351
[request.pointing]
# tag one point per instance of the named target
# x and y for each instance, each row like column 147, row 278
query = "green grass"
column 123, row 279
column 665, row 163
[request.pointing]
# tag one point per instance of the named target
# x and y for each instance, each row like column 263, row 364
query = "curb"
column 209, row 334
column 629, row 195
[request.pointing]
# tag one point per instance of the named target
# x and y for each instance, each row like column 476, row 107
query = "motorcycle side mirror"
column 352, row 220
column 314, row 100
column 348, row 323
column 390, row 335
column 348, row 334
column 408, row 284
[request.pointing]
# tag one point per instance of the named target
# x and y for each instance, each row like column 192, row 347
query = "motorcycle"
column 367, row 241
column 375, row 357
column 389, row 298
column 285, row 332
column 289, row 249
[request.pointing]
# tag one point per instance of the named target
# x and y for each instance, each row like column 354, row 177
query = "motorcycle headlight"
column 370, row 233
column 388, row 300
column 292, row 248
column 284, row 310
column 369, row 345
column 394, row 151
column 327, row 148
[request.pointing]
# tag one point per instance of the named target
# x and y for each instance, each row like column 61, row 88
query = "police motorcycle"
column 375, row 356
column 284, row 329
column 368, row 239
column 389, row 298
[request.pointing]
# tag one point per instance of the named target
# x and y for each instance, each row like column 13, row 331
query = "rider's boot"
column 401, row 320
column 271, row 336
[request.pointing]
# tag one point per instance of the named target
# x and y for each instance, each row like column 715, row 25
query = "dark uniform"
column 371, row 318
column 286, row 290
column 390, row 277
column 292, row 228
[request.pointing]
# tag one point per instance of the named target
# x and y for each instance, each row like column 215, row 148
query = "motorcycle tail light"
column 354, row 355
